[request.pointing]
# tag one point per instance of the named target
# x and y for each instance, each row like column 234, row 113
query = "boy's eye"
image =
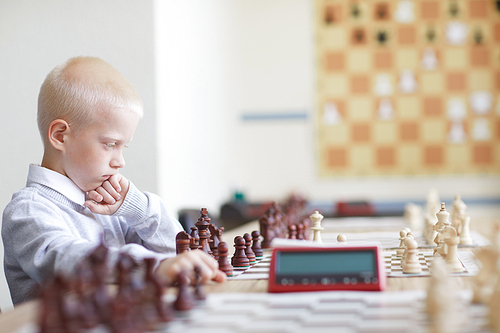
column 110, row 145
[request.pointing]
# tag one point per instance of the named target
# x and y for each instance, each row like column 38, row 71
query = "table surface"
column 484, row 219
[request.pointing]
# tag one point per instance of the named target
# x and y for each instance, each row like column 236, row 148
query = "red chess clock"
column 308, row 268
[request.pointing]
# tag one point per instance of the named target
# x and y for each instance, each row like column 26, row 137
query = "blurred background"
column 252, row 100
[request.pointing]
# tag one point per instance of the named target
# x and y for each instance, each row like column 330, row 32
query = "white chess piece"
column 413, row 216
column 405, row 12
column 457, row 209
column 456, row 109
column 385, row 110
column 429, row 60
column 481, row 102
column 316, row 228
column 383, row 85
column 465, row 238
column 341, row 238
column 400, row 251
column 456, row 33
column 331, row 115
column 457, row 134
column 441, row 226
column 481, row 130
column 412, row 265
column 407, row 82
column 452, row 241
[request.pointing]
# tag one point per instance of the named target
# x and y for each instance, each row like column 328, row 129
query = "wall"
column 35, row 36
column 236, row 110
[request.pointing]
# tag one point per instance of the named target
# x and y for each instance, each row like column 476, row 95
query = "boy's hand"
column 169, row 269
column 107, row 198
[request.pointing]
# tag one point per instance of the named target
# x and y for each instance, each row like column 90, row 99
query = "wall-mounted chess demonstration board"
column 408, row 87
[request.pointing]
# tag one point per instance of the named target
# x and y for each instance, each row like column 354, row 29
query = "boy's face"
column 95, row 153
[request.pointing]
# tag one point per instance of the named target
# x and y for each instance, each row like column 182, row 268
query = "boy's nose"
column 118, row 162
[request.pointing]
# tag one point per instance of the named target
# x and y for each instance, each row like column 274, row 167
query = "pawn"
column 184, row 301
column 248, row 248
column 223, row 262
column 239, row 258
column 465, row 238
column 198, row 286
column 182, row 242
column 411, row 265
column 400, row 251
column 452, row 241
column 316, row 228
column 341, row 238
column 256, row 244
column 292, row 231
column 300, row 231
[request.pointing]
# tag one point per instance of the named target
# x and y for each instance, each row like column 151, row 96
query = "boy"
column 87, row 113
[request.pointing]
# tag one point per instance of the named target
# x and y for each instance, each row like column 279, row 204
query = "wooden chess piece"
column 300, row 232
column 202, row 224
column 452, row 241
column 412, row 265
column 292, row 231
column 239, row 258
column 248, row 248
column 223, row 261
column 465, row 237
column 194, row 243
column 400, row 251
column 198, row 287
column 184, row 300
column 341, row 238
column 316, row 218
column 182, row 242
column 256, row 248
column 152, row 294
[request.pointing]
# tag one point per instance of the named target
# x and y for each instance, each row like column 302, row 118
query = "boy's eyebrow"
column 112, row 138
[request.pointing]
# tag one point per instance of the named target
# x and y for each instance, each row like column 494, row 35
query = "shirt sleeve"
column 149, row 222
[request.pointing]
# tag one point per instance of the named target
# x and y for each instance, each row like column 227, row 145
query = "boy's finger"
column 93, row 195
column 115, row 182
column 106, row 197
column 111, row 190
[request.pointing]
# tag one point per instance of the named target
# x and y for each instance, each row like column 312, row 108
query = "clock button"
column 284, row 282
column 305, row 281
column 354, row 280
column 347, row 280
column 368, row 280
column 324, row 281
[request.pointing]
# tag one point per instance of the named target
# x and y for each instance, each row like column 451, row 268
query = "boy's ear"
column 58, row 129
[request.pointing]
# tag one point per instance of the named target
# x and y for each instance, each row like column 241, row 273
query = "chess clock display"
column 310, row 268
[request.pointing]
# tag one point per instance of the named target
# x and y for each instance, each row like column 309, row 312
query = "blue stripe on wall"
column 274, row 116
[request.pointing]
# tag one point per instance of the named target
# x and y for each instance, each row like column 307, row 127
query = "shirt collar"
column 57, row 182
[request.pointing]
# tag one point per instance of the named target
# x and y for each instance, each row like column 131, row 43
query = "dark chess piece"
column 85, row 310
column 198, row 286
column 215, row 234
column 184, row 301
column 292, row 231
column 248, row 248
column 53, row 316
column 256, row 248
column 124, row 304
column 152, row 295
column 223, row 261
column 203, row 224
column 382, row 37
column 99, row 269
column 195, row 239
column 182, row 242
column 239, row 258
column 300, row 231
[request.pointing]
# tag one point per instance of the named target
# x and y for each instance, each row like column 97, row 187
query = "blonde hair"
column 76, row 89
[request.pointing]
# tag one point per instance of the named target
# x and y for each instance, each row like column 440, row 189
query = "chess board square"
column 482, row 154
column 360, row 108
column 337, row 134
column 361, row 158
column 333, row 14
column 359, row 61
column 432, row 83
column 481, row 80
column 386, row 156
column 383, row 59
column 496, row 32
column 336, row 85
column 433, row 155
column 430, row 10
column 334, row 61
column 410, row 156
column 382, row 11
column 334, row 38
column 459, row 156
column 479, row 56
column 455, row 58
column 408, row 107
column 406, row 34
column 433, row 106
column 337, row 157
column 456, row 81
column 385, row 132
column 478, row 8
column 433, row 130
column 407, row 59
column 361, row 132
column 360, row 84
column 358, row 36
column 409, row 131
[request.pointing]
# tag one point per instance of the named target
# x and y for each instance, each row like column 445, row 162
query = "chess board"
column 383, row 109
column 320, row 312
column 471, row 266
